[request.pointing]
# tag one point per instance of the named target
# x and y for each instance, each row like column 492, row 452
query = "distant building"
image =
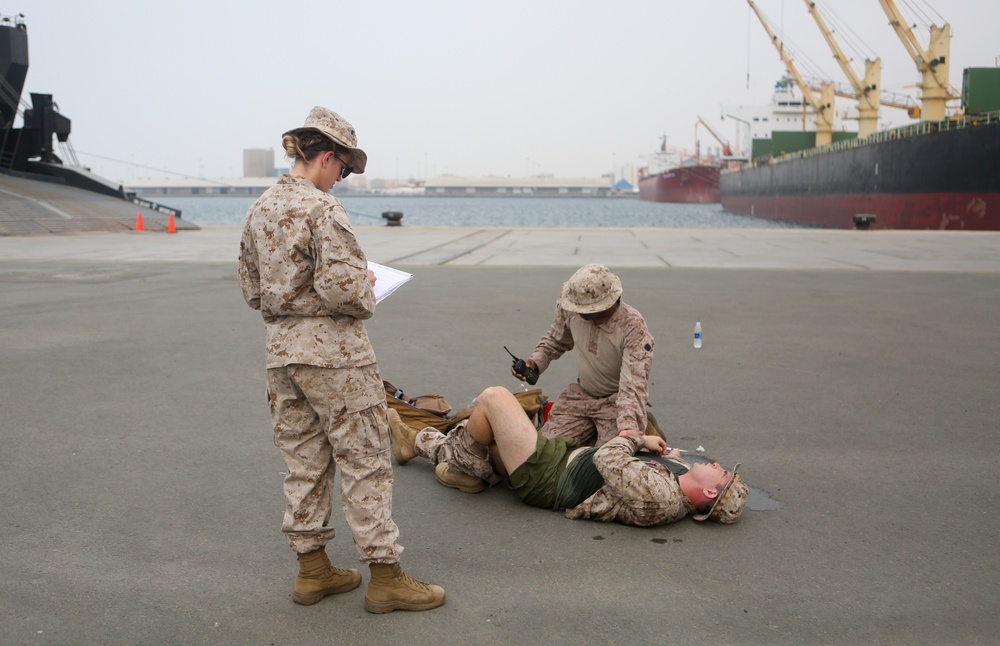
column 258, row 162
column 539, row 186
column 442, row 186
column 200, row 186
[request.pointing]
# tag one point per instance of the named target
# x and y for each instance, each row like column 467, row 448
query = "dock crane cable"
column 933, row 62
column 866, row 91
column 822, row 105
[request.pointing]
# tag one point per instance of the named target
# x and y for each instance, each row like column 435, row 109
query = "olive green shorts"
column 536, row 480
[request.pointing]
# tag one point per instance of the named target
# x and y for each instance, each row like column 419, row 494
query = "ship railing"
column 903, row 132
column 153, row 206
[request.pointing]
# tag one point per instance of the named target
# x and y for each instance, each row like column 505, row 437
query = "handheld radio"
column 521, row 368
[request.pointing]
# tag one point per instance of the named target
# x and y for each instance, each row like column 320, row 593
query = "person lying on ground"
column 604, row 483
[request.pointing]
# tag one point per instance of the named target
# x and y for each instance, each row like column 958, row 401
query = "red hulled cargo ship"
column 672, row 175
column 691, row 184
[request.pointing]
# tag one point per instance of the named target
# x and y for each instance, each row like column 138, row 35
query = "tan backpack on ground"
column 435, row 411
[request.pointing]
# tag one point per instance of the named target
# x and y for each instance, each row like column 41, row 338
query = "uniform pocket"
column 364, row 399
column 366, row 409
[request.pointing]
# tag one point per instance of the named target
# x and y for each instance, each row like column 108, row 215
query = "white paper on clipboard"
column 388, row 280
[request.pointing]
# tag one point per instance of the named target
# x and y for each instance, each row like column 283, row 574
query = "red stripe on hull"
column 687, row 184
column 964, row 211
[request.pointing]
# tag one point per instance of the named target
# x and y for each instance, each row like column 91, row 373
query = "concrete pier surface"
column 854, row 374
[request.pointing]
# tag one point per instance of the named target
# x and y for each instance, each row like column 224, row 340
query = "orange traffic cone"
column 171, row 227
column 138, row 223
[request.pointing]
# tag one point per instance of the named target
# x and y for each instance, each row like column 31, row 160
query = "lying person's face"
column 709, row 475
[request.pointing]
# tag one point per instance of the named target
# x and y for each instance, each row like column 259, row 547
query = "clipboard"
column 388, row 280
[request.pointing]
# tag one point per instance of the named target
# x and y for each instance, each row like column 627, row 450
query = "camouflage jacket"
column 635, row 492
column 302, row 267
column 616, row 356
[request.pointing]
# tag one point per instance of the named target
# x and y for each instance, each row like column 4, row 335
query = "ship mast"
column 823, row 106
column 932, row 63
column 867, row 91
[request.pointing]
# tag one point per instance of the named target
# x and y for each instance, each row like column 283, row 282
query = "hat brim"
column 359, row 159
column 720, row 497
column 590, row 308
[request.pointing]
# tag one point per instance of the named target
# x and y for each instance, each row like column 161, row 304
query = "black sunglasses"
column 347, row 170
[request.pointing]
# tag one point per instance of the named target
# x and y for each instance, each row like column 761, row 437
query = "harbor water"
column 494, row 211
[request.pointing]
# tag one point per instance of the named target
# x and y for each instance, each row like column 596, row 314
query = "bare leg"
column 498, row 417
column 497, row 463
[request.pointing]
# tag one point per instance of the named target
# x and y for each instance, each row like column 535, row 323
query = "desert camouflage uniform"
column 302, row 267
column 613, row 363
column 635, row 491
column 458, row 449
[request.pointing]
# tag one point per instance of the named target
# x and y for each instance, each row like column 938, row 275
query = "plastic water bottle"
column 697, row 334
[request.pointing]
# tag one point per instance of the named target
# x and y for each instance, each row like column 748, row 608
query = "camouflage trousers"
column 327, row 418
column 458, row 449
column 577, row 415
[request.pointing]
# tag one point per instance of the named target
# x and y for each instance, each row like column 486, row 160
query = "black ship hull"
column 928, row 176
column 28, row 152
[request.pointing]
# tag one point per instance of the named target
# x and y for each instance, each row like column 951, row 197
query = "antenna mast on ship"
column 867, row 91
column 932, row 62
column 822, row 106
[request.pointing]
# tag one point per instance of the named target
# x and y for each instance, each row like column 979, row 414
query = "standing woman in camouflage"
column 302, row 267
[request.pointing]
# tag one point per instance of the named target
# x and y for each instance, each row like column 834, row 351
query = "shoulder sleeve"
column 249, row 272
column 341, row 269
column 633, row 382
column 556, row 342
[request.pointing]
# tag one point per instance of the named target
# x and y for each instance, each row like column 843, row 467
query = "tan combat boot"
column 392, row 589
column 403, row 439
column 317, row 578
column 449, row 476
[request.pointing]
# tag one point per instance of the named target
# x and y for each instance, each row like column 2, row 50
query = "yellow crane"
column 932, row 63
column 886, row 99
column 865, row 91
column 822, row 106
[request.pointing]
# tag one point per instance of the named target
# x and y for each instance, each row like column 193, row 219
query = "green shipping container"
column 784, row 142
column 981, row 89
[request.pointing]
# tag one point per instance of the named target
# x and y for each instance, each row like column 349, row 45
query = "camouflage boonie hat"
column 338, row 130
column 592, row 289
column 730, row 504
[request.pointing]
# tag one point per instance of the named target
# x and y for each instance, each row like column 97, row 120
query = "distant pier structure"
column 188, row 186
column 537, row 186
column 441, row 186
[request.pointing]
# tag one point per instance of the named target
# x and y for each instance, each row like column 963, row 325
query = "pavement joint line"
column 477, row 248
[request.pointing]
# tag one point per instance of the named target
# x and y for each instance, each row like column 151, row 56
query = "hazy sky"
column 469, row 87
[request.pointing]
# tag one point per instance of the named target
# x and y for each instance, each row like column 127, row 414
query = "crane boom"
column 932, row 63
column 727, row 150
column 822, row 106
column 886, row 99
column 865, row 92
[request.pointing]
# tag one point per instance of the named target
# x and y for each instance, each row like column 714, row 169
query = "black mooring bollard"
column 863, row 221
column 393, row 218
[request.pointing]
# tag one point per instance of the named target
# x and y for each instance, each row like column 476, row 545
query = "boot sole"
column 476, row 488
column 310, row 598
column 461, row 487
column 382, row 607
